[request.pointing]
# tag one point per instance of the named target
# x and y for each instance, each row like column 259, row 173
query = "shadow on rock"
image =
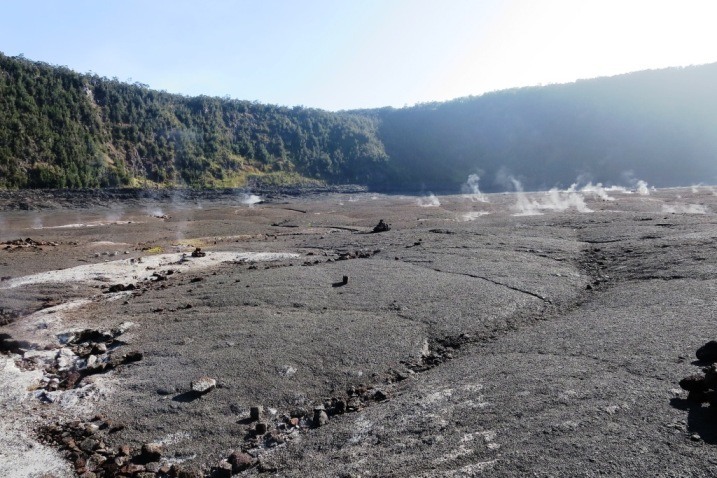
column 186, row 397
column 701, row 419
column 341, row 283
column 9, row 345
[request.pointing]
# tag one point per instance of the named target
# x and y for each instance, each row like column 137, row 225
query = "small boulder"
column 151, row 452
column 186, row 472
column 711, row 376
column 377, row 395
column 133, row 356
column 131, row 469
column 203, row 385
column 320, row 416
column 708, row 352
column 89, row 445
column 694, row 383
column 120, row 288
column 381, row 227
column 223, row 470
column 339, row 407
column 256, row 412
column 240, row 461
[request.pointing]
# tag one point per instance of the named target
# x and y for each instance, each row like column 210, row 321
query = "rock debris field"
column 356, row 334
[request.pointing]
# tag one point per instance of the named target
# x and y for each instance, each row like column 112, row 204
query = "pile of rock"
column 381, row 227
column 85, row 352
column 702, row 387
column 344, row 256
column 84, row 445
column 27, row 244
column 120, row 288
column 8, row 316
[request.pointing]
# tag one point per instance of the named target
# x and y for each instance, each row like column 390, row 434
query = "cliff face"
column 62, row 129
column 653, row 125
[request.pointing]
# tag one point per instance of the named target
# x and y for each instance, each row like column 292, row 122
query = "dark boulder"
column 708, row 352
column 694, row 383
column 381, row 227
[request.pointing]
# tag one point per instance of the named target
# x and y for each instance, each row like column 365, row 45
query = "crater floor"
column 505, row 335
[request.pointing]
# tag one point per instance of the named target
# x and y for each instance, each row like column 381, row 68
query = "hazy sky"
column 342, row 54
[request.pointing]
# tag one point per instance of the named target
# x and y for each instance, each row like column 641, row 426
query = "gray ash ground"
column 469, row 338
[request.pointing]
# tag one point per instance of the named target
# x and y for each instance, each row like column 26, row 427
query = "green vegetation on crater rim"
column 62, row 129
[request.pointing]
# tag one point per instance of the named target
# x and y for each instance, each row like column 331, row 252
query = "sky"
column 351, row 54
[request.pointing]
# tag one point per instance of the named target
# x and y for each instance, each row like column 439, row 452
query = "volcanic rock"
column 203, row 385
column 240, row 461
column 223, row 470
column 95, row 461
column 189, row 472
column 711, row 376
column 708, row 352
column 89, row 445
column 120, row 288
column 381, row 227
column 131, row 469
column 339, row 407
column 133, row 356
column 694, row 383
column 151, row 452
column 320, row 416
column 380, row 396
column 256, row 412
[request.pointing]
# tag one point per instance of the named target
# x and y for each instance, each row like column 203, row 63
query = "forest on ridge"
column 63, row 129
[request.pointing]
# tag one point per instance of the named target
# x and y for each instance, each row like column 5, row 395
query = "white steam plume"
column 37, row 222
column 596, row 190
column 114, row 215
column 154, row 211
column 250, row 199
column 554, row 200
column 618, row 189
column 642, row 188
column 684, row 209
column 428, row 201
column 524, row 206
column 471, row 216
column 471, row 190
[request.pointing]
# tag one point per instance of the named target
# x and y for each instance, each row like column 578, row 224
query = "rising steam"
column 250, row 199
column 641, row 188
column 471, row 191
column 554, row 200
column 428, row 201
column 684, row 209
column 596, row 190
column 471, row 216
